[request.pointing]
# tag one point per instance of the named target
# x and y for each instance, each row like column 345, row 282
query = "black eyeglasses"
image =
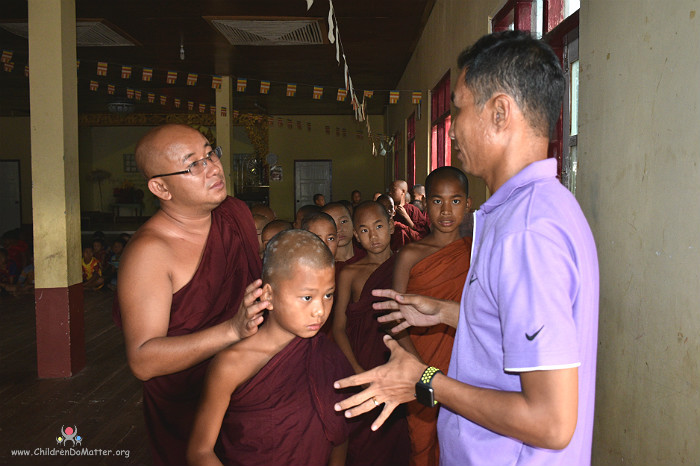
column 198, row 166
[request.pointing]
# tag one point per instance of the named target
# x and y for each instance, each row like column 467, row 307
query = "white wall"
column 639, row 185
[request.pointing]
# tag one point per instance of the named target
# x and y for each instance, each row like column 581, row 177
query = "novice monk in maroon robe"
column 402, row 234
column 182, row 293
column 269, row 398
column 359, row 335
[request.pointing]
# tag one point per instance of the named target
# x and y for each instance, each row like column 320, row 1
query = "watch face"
column 424, row 395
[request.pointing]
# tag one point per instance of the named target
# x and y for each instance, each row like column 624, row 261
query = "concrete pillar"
column 224, row 128
column 60, row 327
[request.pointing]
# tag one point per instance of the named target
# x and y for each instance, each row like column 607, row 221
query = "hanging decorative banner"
column 291, row 90
column 202, row 107
column 235, row 114
column 172, row 77
column 163, row 100
column 290, row 123
column 151, row 97
column 223, row 111
column 26, row 71
column 94, row 85
column 368, row 94
column 216, row 82
column 177, row 103
column 6, row 56
column 147, row 74
column 342, row 93
column 318, row 92
column 308, row 4
column 190, row 105
column 126, row 72
column 212, row 109
column 416, row 97
column 110, row 89
column 192, row 79
column 8, row 67
column 101, row 68
column 137, row 94
column 264, row 87
column 129, row 93
column 241, row 84
column 328, row 130
column 393, row 97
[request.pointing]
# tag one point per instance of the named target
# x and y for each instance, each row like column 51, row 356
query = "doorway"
column 10, row 205
column 311, row 177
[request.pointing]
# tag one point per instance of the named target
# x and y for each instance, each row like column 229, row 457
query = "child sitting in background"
column 92, row 270
column 269, row 398
column 112, row 268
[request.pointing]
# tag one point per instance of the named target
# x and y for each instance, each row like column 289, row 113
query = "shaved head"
column 265, row 211
column 161, row 145
column 290, row 248
column 379, row 208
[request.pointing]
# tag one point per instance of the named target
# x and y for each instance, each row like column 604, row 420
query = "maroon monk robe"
column 358, row 253
column 230, row 262
column 419, row 219
column 284, row 415
column 390, row 445
column 401, row 236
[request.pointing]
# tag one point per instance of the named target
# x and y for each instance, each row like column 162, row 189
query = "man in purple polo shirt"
column 521, row 381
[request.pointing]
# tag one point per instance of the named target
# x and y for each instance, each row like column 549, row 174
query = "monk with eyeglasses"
column 182, row 294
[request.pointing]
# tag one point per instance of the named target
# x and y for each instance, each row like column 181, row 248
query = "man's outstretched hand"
column 391, row 384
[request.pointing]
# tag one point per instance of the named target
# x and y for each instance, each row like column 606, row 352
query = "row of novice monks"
column 375, row 247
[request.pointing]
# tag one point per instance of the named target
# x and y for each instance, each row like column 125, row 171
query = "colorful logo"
column 69, row 434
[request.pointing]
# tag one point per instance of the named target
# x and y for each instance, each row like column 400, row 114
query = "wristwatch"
column 424, row 387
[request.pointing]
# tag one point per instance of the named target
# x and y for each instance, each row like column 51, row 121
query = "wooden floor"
column 103, row 400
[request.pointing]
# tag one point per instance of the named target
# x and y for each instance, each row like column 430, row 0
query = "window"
column 556, row 21
column 440, row 143
column 411, row 150
column 129, row 163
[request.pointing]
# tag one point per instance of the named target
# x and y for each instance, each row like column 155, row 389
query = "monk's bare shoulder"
column 414, row 252
column 239, row 362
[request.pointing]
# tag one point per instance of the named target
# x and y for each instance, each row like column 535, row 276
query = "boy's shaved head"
column 291, row 248
column 370, row 205
column 446, row 173
column 315, row 217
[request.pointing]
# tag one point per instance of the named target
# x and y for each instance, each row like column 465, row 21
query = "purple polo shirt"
column 530, row 302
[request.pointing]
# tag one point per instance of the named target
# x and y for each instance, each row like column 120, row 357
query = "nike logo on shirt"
column 532, row 337
column 473, row 279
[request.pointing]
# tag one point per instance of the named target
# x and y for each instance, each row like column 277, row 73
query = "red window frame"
column 558, row 32
column 411, row 150
column 440, row 143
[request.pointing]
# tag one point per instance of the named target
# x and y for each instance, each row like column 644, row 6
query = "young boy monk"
column 359, row 336
column 322, row 225
column 269, row 398
column 435, row 266
column 347, row 252
column 271, row 229
column 402, row 234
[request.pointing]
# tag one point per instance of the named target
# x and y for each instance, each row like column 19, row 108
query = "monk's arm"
column 339, row 454
column 405, row 261
column 226, row 371
column 145, row 297
column 340, row 319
